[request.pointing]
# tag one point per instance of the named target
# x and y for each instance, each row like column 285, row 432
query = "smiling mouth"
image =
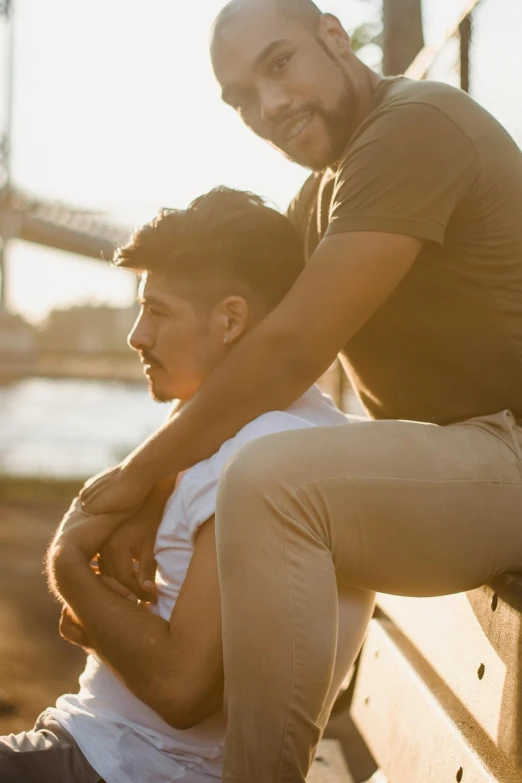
column 294, row 128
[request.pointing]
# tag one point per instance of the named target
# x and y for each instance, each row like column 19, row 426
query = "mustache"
column 149, row 358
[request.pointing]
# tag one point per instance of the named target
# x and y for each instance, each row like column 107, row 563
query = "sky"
column 116, row 109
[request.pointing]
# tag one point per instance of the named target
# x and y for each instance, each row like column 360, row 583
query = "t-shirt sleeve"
column 406, row 174
column 199, row 485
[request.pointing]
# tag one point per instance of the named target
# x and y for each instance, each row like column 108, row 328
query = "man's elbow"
column 180, row 718
column 183, row 708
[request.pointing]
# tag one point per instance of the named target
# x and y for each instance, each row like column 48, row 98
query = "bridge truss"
column 32, row 219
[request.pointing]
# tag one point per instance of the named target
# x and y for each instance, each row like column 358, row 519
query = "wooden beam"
column 329, row 765
column 465, row 31
column 402, row 34
column 427, row 56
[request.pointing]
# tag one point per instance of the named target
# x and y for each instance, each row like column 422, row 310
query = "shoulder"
column 313, row 409
column 415, row 127
column 406, row 93
column 416, row 111
column 267, row 424
column 196, row 493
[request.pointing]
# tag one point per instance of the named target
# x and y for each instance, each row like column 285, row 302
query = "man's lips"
column 149, row 365
column 291, row 128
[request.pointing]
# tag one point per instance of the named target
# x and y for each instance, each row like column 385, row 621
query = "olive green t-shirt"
column 429, row 162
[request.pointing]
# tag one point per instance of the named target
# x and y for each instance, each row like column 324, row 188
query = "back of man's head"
column 226, row 242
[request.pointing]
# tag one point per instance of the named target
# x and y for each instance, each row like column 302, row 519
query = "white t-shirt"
column 122, row 738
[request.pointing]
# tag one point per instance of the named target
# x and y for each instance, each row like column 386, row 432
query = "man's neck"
column 370, row 83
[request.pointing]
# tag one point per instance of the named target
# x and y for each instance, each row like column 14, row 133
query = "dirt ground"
column 36, row 665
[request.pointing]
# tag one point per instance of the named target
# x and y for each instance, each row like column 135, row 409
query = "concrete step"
column 473, row 641
column 413, row 723
column 329, row 765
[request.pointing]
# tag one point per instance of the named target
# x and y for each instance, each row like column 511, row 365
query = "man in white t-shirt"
column 149, row 708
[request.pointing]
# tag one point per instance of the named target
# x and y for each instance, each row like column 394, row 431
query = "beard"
column 157, row 394
column 340, row 124
column 154, row 387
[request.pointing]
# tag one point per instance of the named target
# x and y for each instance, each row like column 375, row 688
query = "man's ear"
column 334, row 36
column 233, row 318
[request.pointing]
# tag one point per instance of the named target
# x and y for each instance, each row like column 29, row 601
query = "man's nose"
column 140, row 337
column 274, row 102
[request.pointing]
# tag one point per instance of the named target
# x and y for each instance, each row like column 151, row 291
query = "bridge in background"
column 31, row 219
column 55, row 225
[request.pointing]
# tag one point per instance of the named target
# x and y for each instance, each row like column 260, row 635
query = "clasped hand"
column 116, row 490
column 124, row 546
column 109, row 520
column 86, row 532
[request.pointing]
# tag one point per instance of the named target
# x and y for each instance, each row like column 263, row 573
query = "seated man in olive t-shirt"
column 431, row 164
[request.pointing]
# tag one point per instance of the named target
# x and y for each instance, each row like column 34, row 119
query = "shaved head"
column 288, row 71
column 304, row 11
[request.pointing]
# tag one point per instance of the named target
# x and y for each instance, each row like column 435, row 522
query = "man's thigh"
column 47, row 754
column 404, row 507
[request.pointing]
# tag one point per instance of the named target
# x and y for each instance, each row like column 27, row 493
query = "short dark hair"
column 305, row 11
column 227, row 241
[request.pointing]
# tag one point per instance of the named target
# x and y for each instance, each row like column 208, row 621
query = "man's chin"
column 315, row 160
column 158, row 394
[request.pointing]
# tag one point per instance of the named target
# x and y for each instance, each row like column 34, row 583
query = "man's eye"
column 280, row 62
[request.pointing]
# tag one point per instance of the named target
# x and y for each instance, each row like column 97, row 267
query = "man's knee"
column 253, row 468
column 250, row 481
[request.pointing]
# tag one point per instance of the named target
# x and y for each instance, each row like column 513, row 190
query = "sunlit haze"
column 116, row 109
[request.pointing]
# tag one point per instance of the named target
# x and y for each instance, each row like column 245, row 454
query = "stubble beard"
column 339, row 128
column 158, row 396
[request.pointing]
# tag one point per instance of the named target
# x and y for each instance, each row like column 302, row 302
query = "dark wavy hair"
column 227, row 241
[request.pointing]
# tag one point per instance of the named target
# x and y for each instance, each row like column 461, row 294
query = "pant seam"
column 398, row 479
column 293, row 646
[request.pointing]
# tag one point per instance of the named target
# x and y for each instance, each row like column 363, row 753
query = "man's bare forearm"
column 131, row 640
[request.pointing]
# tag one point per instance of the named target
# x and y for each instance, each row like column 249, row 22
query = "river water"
column 71, row 429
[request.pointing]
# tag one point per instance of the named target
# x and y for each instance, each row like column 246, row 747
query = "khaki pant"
column 309, row 520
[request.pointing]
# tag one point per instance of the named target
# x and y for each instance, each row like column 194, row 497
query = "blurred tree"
column 402, row 35
column 366, row 33
column 366, row 39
